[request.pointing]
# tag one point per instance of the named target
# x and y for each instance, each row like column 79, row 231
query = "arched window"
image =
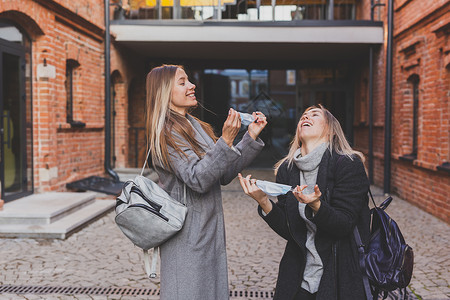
column 11, row 33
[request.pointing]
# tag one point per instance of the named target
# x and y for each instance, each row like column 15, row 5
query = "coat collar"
column 200, row 135
column 322, row 175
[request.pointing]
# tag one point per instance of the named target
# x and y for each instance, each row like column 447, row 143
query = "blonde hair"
column 335, row 135
column 161, row 121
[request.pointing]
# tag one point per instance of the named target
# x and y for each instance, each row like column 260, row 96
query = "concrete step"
column 45, row 208
column 61, row 228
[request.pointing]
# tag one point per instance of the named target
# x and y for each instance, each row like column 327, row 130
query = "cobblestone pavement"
column 100, row 256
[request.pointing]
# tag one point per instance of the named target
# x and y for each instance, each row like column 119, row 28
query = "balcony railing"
column 240, row 10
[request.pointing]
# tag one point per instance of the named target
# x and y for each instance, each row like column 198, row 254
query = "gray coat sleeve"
column 248, row 148
column 200, row 174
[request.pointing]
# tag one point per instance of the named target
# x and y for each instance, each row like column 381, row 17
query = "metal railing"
column 238, row 10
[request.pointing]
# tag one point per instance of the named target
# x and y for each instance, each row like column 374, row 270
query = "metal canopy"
column 291, row 42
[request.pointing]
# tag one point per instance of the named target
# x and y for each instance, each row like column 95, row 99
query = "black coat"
column 344, row 204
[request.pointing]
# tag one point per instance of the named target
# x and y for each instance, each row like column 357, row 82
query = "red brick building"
column 313, row 51
column 57, row 57
column 421, row 143
column 420, row 105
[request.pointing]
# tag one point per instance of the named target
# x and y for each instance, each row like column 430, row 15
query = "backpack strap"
column 145, row 163
column 362, row 264
column 371, row 197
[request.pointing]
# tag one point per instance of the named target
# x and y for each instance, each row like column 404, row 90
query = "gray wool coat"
column 194, row 261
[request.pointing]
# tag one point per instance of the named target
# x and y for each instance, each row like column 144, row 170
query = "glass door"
column 13, row 127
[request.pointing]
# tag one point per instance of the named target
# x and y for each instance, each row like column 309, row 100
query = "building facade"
column 275, row 56
column 53, row 95
column 420, row 106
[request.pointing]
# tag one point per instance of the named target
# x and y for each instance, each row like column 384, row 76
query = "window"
column 71, row 65
column 233, row 88
column 415, row 130
column 244, row 88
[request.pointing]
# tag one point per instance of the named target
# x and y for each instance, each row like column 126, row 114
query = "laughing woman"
column 186, row 154
column 318, row 217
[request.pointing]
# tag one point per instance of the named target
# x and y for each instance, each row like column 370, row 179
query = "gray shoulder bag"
column 148, row 216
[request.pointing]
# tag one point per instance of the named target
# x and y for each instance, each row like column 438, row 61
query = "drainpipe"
column 258, row 8
column 371, row 9
column 371, row 114
column 373, row 5
column 108, row 98
column 371, row 102
column 387, row 131
column 330, row 9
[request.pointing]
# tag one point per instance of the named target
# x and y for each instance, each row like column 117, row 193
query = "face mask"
column 272, row 188
column 246, row 119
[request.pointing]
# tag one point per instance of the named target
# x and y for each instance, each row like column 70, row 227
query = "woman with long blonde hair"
column 192, row 163
column 317, row 218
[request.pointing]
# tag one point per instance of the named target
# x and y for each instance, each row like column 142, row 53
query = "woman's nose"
column 192, row 87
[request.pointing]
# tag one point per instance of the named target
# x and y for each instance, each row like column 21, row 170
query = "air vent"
column 234, row 294
column 14, row 289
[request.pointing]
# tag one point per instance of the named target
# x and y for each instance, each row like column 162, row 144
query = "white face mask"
column 246, row 119
column 272, row 188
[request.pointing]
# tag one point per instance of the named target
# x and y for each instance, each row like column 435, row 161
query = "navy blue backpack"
column 386, row 261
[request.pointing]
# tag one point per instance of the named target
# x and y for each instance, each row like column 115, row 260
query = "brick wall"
column 62, row 30
column 91, row 10
column 421, row 49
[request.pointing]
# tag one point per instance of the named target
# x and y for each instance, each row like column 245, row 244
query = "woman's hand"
column 255, row 128
column 250, row 188
column 313, row 199
column 231, row 127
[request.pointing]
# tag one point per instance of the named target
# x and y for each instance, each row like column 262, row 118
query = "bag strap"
column 151, row 270
column 142, row 172
column 362, row 264
column 371, row 197
column 145, row 163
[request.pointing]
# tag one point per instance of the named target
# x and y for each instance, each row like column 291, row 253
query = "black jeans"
column 303, row 294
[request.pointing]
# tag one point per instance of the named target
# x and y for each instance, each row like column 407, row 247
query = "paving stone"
column 101, row 256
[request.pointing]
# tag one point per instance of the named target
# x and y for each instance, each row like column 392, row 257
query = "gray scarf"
column 309, row 166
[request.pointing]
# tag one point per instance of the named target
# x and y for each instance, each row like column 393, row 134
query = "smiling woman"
column 318, row 216
column 192, row 163
column 312, row 129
